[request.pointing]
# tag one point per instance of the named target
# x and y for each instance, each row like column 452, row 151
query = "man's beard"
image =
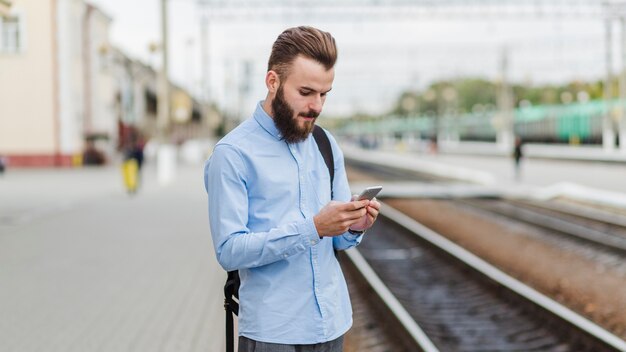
column 285, row 121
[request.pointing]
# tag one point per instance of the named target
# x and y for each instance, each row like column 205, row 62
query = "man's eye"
column 303, row 93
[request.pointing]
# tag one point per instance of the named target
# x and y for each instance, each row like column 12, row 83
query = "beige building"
column 57, row 87
column 54, row 90
column 62, row 83
column 28, row 82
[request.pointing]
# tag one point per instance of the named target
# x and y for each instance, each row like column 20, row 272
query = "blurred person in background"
column 132, row 149
column 271, row 212
column 517, row 157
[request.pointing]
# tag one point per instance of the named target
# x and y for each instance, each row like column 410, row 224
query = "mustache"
column 311, row 113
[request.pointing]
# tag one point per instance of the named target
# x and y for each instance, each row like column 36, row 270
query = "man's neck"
column 267, row 107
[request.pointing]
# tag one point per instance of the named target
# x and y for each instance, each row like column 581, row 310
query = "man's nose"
column 316, row 104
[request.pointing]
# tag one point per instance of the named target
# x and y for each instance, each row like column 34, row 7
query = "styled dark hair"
column 309, row 42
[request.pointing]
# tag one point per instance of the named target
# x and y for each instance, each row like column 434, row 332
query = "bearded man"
column 270, row 208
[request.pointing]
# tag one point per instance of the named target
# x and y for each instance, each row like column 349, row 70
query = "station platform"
column 86, row 267
column 590, row 179
column 595, row 153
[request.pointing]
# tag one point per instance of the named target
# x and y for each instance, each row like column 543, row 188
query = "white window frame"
column 20, row 28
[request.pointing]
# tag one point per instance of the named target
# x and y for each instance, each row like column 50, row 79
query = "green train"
column 573, row 123
column 576, row 123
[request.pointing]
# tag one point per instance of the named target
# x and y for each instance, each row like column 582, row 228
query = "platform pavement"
column 596, row 182
column 85, row 267
column 538, row 151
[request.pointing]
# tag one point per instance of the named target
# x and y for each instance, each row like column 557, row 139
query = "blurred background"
column 549, row 71
column 109, row 108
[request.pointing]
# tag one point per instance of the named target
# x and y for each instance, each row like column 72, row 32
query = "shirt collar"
column 266, row 121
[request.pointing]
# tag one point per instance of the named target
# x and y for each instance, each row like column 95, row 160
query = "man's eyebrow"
column 313, row 90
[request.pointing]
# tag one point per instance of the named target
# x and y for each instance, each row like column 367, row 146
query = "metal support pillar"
column 622, row 90
column 166, row 153
column 608, row 136
column 504, row 133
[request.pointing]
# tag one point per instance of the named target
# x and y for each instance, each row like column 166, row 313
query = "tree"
column 465, row 95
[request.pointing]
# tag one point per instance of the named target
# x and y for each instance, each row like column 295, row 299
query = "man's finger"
column 375, row 203
column 373, row 211
column 360, row 203
column 356, row 214
column 351, row 206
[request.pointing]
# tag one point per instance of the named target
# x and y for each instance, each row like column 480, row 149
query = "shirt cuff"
column 352, row 237
column 308, row 232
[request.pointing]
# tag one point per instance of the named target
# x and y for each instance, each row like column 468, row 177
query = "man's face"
column 300, row 98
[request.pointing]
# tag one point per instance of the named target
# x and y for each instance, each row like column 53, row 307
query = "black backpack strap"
column 323, row 143
column 230, row 332
column 231, row 289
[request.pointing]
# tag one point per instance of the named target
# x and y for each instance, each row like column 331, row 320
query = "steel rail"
column 556, row 224
column 578, row 211
column 522, row 290
column 408, row 323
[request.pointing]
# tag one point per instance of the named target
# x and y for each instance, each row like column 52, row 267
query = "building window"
column 10, row 36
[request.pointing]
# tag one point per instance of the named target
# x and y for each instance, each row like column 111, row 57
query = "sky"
column 378, row 58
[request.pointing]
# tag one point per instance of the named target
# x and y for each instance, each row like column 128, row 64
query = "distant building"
column 136, row 102
column 62, row 84
column 136, row 95
column 52, row 91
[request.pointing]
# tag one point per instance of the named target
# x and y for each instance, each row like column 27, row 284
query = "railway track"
column 596, row 227
column 443, row 298
column 599, row 228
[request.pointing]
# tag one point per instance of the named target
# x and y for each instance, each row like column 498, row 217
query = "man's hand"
column 336, row 217
column 368, row 219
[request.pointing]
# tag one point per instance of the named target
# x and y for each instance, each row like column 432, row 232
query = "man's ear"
column 272, row 81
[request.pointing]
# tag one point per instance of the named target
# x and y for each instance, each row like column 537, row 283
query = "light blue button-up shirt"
column 263, row 194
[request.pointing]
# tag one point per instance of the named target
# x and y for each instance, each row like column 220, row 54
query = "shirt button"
column 313, row 242
column 285, row 255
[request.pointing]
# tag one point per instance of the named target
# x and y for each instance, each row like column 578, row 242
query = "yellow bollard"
column 77, row 160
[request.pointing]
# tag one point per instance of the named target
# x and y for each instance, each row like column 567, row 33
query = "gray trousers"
column 248, row 345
